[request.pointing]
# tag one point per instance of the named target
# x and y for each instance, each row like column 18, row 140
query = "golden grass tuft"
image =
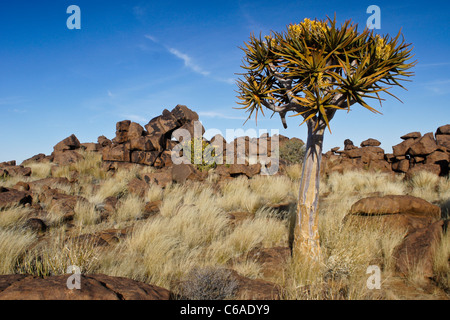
column 13, row 244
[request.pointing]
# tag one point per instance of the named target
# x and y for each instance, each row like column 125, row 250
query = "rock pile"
column 430, row 152
column 151, row 145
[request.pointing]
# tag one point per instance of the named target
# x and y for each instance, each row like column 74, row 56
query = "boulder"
column 438, row 157
column 403, row 213
column 194, row 128
column 135, row 131
column 348, row 144
column 183, row 172
column 166, row 158
column 116, row 153
column 142, row 144
column 242, row 169
column 123, row 126
column 164, row 124
column 14, row 171
column 183, row 114
column 36, row 225
column 370, row 143
column 411, row 135
column 443, row 140
column 143, row 157
column 395, row 204
column 13, row 197
column 423, row 146
column 401, row 166
column 430, row 167
column 37, row 158
column 137, row 187
column 368, row 153
column 69, row 143
column 401, row 148
column 416, row 252
column 66, row 157
column 443, row 130
column 61, row 203
column 162, row 178
column 93, row 287
column 103, row 141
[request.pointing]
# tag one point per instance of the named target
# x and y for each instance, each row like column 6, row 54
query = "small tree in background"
column 314, row 69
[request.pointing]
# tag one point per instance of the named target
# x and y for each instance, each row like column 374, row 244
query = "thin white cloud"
column 150, row 37
column 188, row 62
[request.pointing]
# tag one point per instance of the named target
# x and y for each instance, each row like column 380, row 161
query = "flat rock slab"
column 395, row 204
column 93, row 287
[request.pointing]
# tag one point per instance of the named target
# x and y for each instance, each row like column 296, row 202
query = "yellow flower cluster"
column 382, row 50
column 272, row 41
column 320, row 80
column 313, row 26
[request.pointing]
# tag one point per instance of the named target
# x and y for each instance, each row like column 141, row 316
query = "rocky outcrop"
column 150, row 145
column 10, row 169
column 429, row 152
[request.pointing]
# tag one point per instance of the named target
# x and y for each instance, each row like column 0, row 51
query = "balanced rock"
column 411, row 135
column 370, row 142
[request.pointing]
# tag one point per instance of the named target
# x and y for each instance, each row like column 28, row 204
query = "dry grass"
column 40, row 170
column 129, row 208
column 441, row 265
column 13, row 216
column 193, row 229
column 86, row 214
column 13, row 244
column 54, row 256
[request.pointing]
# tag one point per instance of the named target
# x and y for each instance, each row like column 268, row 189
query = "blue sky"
column 132, row 59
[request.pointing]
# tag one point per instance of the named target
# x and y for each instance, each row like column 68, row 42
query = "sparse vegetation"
column 293, row 151
column 192, row 241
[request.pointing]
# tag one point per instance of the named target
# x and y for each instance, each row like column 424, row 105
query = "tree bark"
column 306, row 232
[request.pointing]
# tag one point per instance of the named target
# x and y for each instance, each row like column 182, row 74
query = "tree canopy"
column 315, row 68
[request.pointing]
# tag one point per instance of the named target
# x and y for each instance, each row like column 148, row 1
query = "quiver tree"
column 312, row 70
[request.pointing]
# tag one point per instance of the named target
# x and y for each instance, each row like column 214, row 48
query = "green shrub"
column 293, row 151
column 202, row 154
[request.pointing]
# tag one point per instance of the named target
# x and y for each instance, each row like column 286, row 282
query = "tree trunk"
column 306, row 233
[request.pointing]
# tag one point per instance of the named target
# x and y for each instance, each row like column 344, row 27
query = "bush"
column 293, row 151
column 201, row 154
column 208, row 284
